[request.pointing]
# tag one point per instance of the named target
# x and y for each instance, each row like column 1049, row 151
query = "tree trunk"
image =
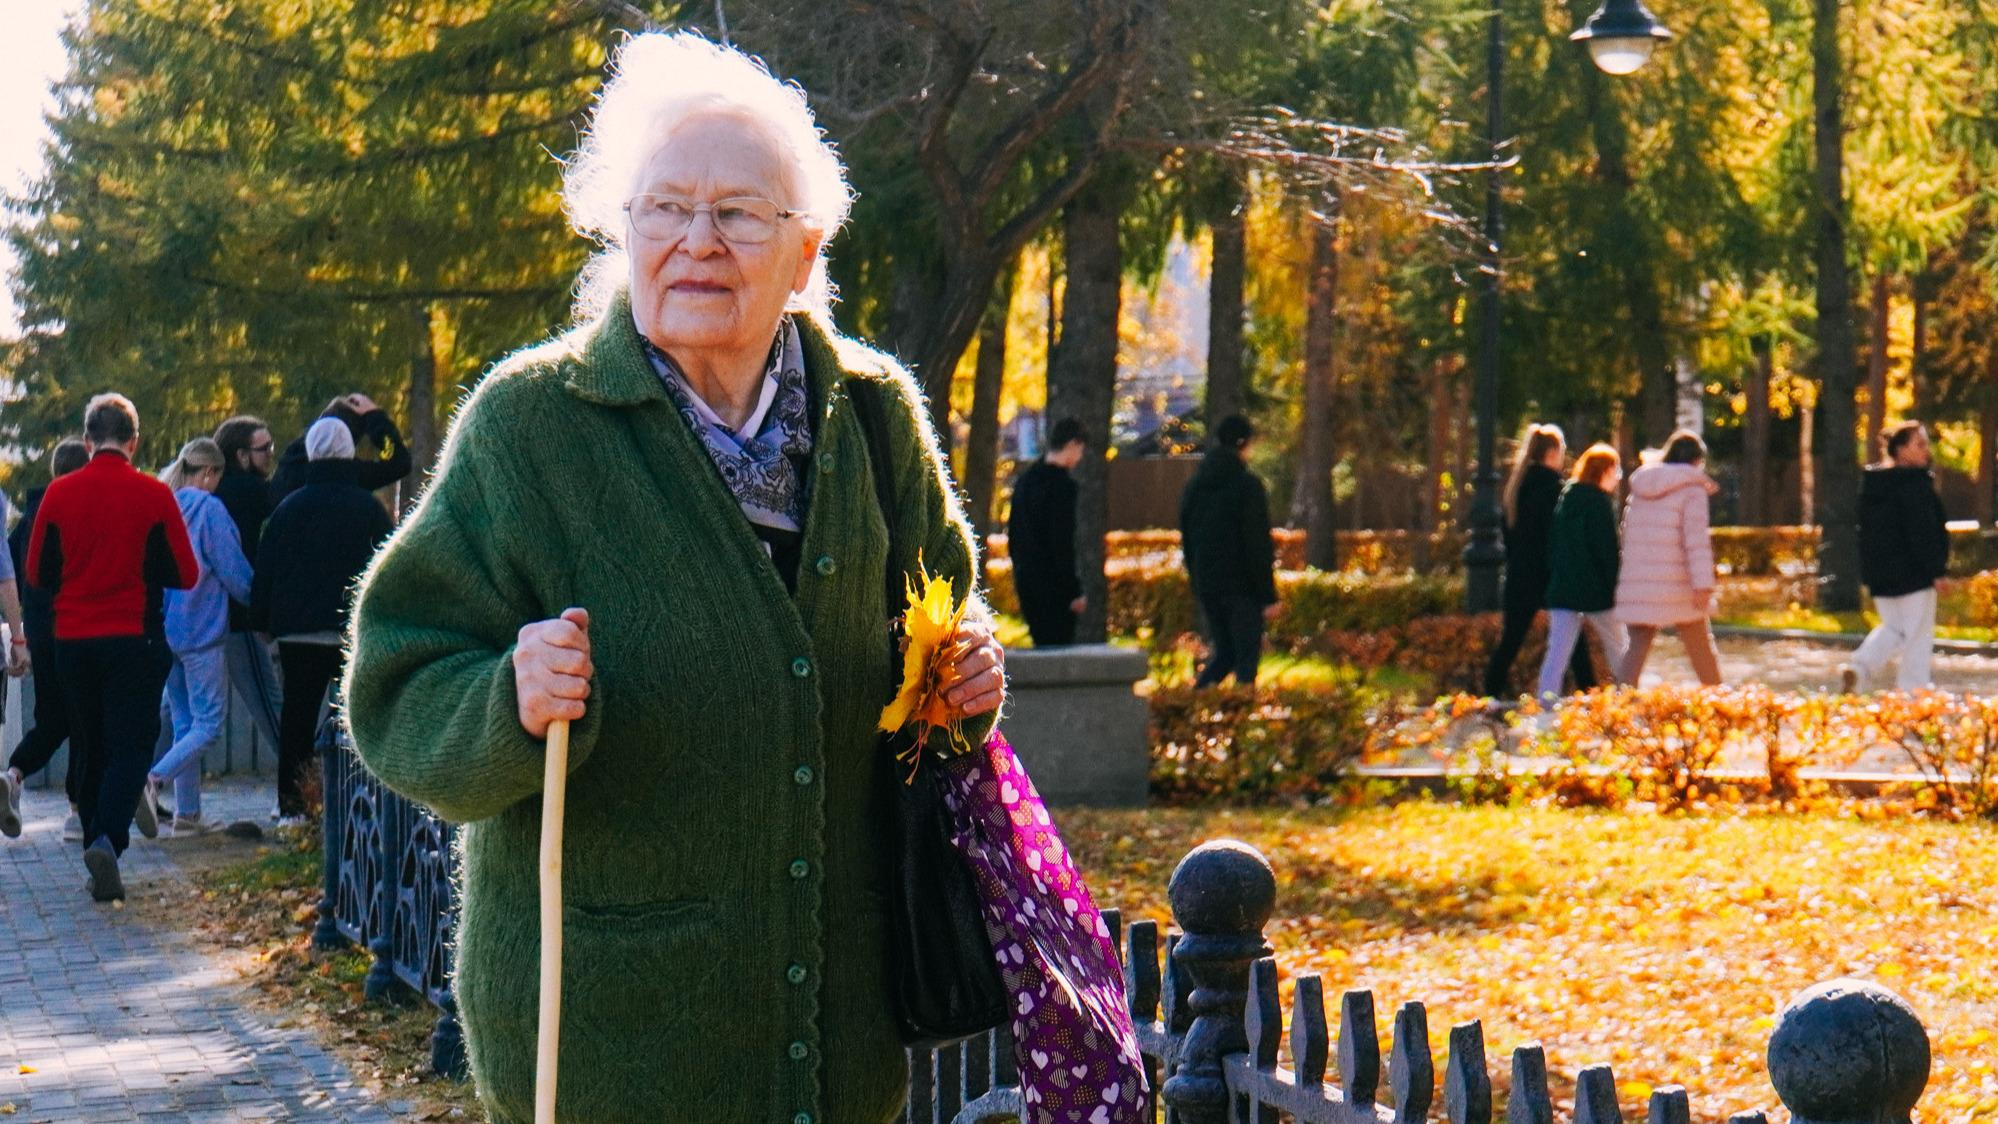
column 423, row 439
column 1837, row 461
column 1876, row 365
column 1311, row 499
column 1807, row 465
column 1630, row 238
column 933, row 314
column 1987, row 444
column 1082, row 375
column 981, row 450
column 1755, row 439
column 1225, row 390
column 1918, row 296
column 1442, row 398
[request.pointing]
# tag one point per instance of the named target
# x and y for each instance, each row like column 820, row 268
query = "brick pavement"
column 106, row 1017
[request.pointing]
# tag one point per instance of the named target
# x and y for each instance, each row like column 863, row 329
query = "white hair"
column 660, row 81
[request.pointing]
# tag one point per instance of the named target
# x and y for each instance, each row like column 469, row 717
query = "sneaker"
column 10, row 805
column 72, row 828
column 291, row 821
column 190, row 825
column 105, row 885
column 1848, row 679
column 146, row 816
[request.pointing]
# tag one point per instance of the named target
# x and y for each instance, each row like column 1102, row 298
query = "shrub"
column 1257, row 744
column 1982, row 593
column 1666, row 744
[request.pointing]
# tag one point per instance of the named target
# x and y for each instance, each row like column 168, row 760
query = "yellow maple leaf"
column 929, row 625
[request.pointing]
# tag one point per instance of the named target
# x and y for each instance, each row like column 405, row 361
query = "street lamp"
column 1620, row 36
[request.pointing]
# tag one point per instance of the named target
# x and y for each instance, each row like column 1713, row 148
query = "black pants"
column 38, row 746
column 1052, row 626
column 1518, row 622
column 1235, row 638
column 112, row 685
column 309, row 669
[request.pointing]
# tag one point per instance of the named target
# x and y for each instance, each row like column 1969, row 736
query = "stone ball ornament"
column 1849, row 1051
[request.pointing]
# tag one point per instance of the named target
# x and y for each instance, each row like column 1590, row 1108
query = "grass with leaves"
column 1664, row 945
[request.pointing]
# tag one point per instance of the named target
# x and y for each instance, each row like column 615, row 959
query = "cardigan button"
column 802, row 775
column 825, row 462
column 795, row 973
column 799, row 1051
column 826, row 566
column 801, row 667
column 800, row 868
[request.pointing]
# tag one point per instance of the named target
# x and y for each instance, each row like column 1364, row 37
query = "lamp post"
column 1621, row 36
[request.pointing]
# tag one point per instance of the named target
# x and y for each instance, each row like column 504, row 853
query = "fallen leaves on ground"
column 1663, row 945
column 265, row 910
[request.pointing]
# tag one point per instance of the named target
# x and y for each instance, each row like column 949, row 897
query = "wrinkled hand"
column 552, row 670
column 978, row 674
column 17, row 660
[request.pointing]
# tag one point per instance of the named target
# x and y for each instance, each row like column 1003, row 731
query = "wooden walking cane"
column 554, row 790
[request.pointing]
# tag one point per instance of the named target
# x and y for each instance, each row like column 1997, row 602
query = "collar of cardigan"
column 613, row 369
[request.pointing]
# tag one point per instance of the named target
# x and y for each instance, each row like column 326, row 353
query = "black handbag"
column 944, row 982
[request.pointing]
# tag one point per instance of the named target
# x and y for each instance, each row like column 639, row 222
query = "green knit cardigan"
column 725, row 859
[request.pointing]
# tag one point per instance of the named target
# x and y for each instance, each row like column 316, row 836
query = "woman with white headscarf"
column 662, row 527
column 314, row 547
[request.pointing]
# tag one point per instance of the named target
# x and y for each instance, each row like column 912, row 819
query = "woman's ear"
column 808, row 257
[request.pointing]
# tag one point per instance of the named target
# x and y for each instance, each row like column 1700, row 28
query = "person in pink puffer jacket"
column 1667, row 579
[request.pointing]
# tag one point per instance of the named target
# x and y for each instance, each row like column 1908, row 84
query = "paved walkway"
column 105, row 1017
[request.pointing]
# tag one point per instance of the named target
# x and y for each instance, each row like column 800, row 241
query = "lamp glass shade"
column 1621, row 54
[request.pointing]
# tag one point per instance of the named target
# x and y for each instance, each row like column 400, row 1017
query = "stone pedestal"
column 1078, row 725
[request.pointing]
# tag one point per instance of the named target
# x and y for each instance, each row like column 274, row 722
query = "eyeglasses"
column 263, row 448
column 743, row 219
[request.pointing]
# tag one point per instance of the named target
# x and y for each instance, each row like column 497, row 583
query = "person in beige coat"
column 1667, row 579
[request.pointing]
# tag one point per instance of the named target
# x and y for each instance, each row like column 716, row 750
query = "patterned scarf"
column 759, row 468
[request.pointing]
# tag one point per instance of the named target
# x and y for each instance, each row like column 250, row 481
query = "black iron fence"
column 388, row 889
column 1204, row 1000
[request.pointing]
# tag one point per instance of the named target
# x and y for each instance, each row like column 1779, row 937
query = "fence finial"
column 1222, row 895
column 1849, row 1050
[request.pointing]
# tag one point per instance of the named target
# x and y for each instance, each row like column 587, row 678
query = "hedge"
column 1256, row 744
column 1753, row 551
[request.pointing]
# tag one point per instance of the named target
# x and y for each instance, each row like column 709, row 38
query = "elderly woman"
column 693, row 575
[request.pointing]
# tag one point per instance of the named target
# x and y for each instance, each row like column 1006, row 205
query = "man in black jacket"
column 368, row 423
column 1903, row 549
column 1224, row 526
column 1040, row 538
column 248, row 453
column 315, row 546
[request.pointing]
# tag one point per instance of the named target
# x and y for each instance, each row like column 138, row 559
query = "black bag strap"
column 873, row 415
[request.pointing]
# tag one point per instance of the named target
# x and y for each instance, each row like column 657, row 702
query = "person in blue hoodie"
column 197, row 625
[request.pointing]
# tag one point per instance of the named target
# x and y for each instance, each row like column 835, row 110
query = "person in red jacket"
column 108, row 542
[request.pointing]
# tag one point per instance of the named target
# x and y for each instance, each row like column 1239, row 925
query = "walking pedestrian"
column 1224, row 526
column 1040, row 539
column 1530, row 495
column 367, row 424
column 1582, row 566
column 1667, row 579
column 108, row 542
column 197, row 630
column 248, row 453
column 316, row 544
column 39, row 745
column 1903, row 549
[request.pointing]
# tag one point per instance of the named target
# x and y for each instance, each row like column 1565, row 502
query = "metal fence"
column 388, row 889
column 1204, row 1001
